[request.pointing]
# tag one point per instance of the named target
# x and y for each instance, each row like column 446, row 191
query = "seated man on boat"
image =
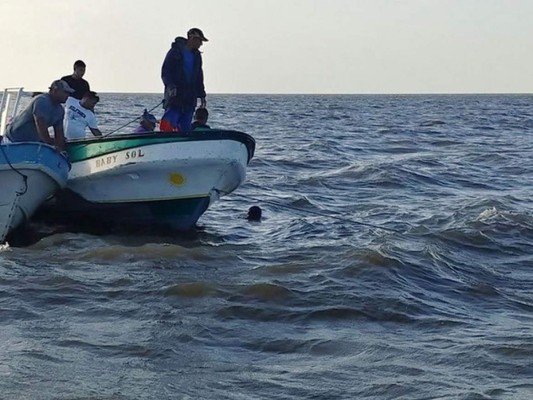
column 148, row 123
column 44, row 111
column 79, row 115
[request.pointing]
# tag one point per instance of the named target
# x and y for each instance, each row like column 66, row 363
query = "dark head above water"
column 254, row 213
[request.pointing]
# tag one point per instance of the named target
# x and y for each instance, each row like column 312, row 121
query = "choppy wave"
column 394, row 260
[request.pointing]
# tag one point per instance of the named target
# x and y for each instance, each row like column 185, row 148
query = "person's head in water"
column 254, row 213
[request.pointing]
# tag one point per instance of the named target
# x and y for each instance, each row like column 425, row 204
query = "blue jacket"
column 173, row 76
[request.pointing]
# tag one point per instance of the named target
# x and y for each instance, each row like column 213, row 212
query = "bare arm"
column 42, row 130
column 59, row 137
column 96, row 132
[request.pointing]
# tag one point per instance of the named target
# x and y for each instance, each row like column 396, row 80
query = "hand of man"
column 203, row 102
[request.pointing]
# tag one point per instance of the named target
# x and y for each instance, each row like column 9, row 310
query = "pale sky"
column 276, row 46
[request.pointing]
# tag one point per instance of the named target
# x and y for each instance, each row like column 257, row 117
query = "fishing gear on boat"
column 318, row 213
column 125, row 125
column 132, row 121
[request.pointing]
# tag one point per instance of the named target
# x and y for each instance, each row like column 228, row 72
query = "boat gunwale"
column 30, row 164
column 159, row 138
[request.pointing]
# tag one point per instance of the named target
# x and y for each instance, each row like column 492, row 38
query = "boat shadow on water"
column 44, row 225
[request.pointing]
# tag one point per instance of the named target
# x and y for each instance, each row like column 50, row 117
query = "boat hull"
column 160, row 180
column 154, row 216
column 29, row 174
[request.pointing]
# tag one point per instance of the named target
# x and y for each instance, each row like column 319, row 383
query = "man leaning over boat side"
column 79, row 115
column 44, row 111
column 183, row 78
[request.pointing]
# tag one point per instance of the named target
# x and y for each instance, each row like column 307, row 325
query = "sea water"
column 394, row 260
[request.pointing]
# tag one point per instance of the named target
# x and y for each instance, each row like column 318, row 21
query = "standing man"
column 44, row 111
column 79, row 115
column 183, row 78
column 76, row 81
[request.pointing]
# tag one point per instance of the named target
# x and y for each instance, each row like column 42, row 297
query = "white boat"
column 157, row 180
column 30, row 172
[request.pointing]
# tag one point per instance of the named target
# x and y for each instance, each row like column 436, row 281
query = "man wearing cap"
column 183, row 78
column 44, row 111
column 79, row 115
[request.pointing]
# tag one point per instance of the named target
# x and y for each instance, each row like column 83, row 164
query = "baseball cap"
column 61, row 85
column 195, row 32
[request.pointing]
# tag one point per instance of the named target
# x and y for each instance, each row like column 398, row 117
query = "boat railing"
column 9, row 106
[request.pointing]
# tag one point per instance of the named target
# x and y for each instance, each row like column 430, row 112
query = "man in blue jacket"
column 183, row 78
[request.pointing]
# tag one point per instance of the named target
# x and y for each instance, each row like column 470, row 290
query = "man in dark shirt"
column 76, row 81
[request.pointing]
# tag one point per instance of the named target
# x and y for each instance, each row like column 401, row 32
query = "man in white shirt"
column 79, row 115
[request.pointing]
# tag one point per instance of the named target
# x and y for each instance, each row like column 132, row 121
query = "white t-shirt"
column 77, row 118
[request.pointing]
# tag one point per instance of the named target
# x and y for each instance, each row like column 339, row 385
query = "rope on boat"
column 5, row 229
column 132, row 121
column 318, row 213
column 125, row 125
column 24, row 177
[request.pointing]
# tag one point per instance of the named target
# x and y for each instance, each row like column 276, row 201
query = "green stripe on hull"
column 79, row 151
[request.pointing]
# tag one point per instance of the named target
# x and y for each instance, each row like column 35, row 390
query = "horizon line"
column 339, row 94
column 320, row 94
